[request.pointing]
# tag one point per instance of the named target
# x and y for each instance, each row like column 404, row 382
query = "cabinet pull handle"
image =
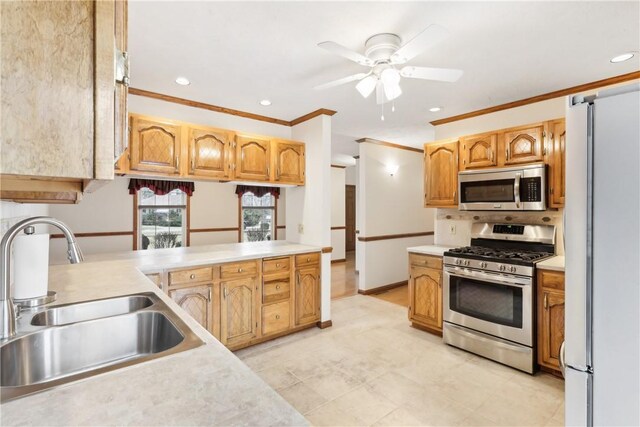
column 192, row 276
column 224, row 292
column 268, row 174
column 298, row 278
column 209, row 294
column 546, row 303
column 193, row 164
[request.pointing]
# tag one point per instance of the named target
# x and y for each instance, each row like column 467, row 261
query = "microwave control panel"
column 530, row 189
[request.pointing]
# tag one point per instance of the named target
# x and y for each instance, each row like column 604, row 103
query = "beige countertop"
column 555, row 263
column 429, row 250
column 207, row 385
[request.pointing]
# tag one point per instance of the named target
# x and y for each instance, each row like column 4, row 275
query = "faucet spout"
column 7, row 310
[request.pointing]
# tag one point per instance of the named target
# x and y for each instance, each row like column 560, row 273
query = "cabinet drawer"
column 276, row 265
column 239, row 269
column 276, row 290
column 276, row 317
column 307, row 259
column 426, row 261
column 551, row 279
column 191, row 276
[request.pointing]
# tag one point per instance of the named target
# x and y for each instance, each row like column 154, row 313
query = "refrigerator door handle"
column 563, row 365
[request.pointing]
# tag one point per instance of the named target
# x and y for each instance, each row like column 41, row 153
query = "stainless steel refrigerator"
column 602, row 245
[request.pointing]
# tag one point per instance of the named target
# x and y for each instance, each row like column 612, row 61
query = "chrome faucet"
column 7, row 309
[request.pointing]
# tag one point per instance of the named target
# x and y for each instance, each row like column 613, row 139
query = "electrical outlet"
column 300, row 229
column 452, row 229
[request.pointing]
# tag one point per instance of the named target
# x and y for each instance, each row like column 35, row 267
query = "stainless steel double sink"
column 59, row 344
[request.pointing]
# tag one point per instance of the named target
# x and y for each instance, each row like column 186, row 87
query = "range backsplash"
column 462, row 220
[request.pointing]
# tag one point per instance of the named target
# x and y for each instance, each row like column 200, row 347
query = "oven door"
column 492, row 303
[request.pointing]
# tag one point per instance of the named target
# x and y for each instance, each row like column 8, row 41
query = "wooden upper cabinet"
column 556, row 160
column 239, row 321
column 210, row 153
column 523, row 145
column 155, row 145
column 253, row 158
column 307, row 295
column 478, row 151
column 197, row 302
column 59, row 122
column 289, row 161
column 551, row 308
column 425, row 297
column 441, row 174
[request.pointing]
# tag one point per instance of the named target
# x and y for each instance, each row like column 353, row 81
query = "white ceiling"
column 237, row 53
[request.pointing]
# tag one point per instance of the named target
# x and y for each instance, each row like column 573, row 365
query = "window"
column 258, row 217
column 162, row 220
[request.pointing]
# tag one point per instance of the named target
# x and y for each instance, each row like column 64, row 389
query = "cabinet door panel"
column 550, row 326
column 425, row 294
column 238, row 311
column 253, row 155
column 307, row 295
column 290, row 162
column 523, row 145
column 209, row 152
column 441, row 174
column 155, row 146
column 197, row 302
column 479, row 151
column 557, row 163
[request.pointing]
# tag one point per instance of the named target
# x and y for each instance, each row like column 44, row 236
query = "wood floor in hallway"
column 344, row 280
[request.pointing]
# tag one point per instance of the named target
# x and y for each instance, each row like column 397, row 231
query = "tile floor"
column 371, row 368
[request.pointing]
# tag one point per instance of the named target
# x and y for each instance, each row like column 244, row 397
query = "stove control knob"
column 502, row 268
column 466, row 262
column 483, row 264
column 458, row 261
column 513, row 269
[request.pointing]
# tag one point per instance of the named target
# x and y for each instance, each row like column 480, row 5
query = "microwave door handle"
column 516, row 189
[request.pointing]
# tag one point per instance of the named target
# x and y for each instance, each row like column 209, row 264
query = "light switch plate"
column 452, row 229
column 300, row 228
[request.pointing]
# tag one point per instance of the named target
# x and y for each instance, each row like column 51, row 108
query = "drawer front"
column 276, row 265
column 239, row 269
column 276, row 317
column 307, row 259
column 276, row 290
column 194, row 275
column 551, row 279
column 426, row 261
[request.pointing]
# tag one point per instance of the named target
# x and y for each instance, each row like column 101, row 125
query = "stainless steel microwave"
column 521, row 188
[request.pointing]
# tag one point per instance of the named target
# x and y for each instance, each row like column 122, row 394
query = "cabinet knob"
column 193, row 276
column 277, row 317
column 277, row 265
column 277, row 286
column 239, row 270
column 308, row 259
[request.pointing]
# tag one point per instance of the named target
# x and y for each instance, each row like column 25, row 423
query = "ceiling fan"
column 383, row 52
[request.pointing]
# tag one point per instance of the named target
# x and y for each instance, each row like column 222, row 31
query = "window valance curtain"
column 257, row 191
column 160, row 187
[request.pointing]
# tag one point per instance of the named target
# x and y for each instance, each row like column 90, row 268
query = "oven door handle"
column 516, row 189
column 473, row 274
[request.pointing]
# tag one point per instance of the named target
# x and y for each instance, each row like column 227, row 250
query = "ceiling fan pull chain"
column 393, row 106
column 382, row 108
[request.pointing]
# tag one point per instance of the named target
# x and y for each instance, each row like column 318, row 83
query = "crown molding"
column 388, row 144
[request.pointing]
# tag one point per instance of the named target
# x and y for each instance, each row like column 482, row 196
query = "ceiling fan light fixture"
column 392, row 91
column 367, row 85
column 390, row 76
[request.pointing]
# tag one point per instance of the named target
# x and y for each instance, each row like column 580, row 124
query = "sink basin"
column 47, row 356
column 72, row 313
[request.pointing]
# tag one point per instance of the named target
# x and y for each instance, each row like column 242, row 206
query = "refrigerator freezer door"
column 577, row 386
column 577, row 315
column 616, row 253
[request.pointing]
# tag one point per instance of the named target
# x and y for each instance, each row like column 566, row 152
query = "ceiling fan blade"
column 428, row 73
column 430, row 36
column 341, row 81
column 338, row 49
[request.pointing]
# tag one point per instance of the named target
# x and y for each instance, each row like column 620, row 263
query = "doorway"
column 350, row 217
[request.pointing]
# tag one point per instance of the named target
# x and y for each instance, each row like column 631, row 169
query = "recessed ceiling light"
column 183, row 81
column 622, row 58
column 265, row 102
column 435, row 109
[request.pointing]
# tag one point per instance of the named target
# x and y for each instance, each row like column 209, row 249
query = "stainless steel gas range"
column 488, row 305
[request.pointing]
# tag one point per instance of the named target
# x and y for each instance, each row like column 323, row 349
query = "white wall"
column 309, row 208
column 338, row 213
column 11, row 212
column 351, row 175
column 389, row 205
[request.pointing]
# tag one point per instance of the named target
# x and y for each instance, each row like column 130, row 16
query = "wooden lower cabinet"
column 239, row 323
column 307, row 295
column 550, row 302
column 276, row 317
column 197, row 301
column 425, row 292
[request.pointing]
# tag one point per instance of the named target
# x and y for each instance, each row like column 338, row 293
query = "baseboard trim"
column 381, row 289
column 324, row 325
column 336, row 261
